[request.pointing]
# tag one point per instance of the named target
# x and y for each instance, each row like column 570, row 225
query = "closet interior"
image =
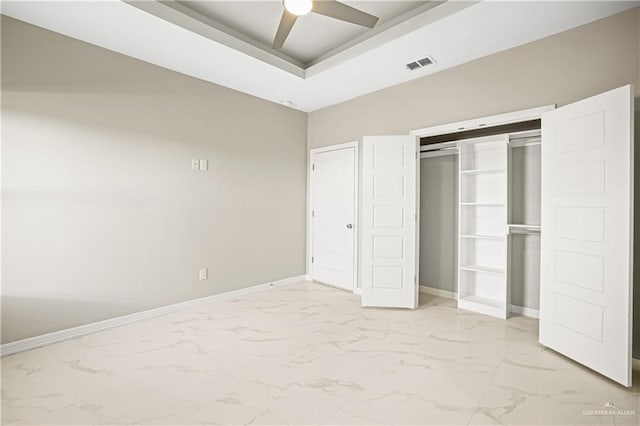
column 480, row 217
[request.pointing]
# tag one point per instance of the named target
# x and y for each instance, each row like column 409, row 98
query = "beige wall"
column 556, row 70
column 102, row 215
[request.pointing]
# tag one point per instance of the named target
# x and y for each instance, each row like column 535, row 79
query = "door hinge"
column 311, row 259
column 415, row 279
column 313, row 213
column 313, row 167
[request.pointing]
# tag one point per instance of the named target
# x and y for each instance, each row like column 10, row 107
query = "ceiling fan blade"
column 286, row 23
column 341, row 11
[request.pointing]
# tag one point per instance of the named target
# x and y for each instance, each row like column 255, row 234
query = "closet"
column 481, row 196
column 534, row 206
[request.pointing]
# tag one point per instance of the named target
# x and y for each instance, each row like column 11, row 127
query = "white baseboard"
column 332, row 286
column 525, row 312
column 520, row 310
column 357, row 291
column 58, row 336
column 438, row 292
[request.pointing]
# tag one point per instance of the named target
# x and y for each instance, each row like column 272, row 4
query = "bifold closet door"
column 587, row 232
column 389, row 215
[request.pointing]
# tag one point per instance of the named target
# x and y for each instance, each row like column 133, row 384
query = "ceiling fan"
column 332, row 8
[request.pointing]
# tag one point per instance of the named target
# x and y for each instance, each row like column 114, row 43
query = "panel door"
column 333, row 212
column 389, row 215
column 587, row 232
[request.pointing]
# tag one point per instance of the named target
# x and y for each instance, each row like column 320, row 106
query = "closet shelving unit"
column 487, row 220
column 483, row 251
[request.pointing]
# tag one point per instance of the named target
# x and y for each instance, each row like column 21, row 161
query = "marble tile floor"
column 309, row 354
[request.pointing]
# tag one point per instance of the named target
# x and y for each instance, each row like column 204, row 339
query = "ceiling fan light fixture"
column 298, row 7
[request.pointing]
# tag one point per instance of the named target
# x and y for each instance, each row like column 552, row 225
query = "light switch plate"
column 204, row 274
column 195, row 164
column 204, row 164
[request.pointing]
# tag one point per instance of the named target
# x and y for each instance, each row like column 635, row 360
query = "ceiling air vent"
column 420, row 63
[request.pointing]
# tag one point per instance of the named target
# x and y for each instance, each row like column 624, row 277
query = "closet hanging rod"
column 527, row 138
column 437, row 146
column 439, row 149
column 523, row 232
column 524, row 229
column 438, row 152
column 519, row 143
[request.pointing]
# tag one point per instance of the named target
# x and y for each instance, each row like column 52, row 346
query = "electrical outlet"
column 204, row 274
column 204, row 164
column 195, row 164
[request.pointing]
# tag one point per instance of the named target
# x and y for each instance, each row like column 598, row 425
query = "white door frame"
column 356, row 239
column 488, row 121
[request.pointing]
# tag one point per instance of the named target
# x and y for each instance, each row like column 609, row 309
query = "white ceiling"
column 179, row 39
column 312, row 36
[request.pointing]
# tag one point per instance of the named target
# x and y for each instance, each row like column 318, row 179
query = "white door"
column 587, row 232
column 389, row 216
column 333, row 207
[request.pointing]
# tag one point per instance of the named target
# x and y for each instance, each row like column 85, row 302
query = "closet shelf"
column 483, row 305
column 483, row 269
column 483, row 300
column 483, row 237
column 478, row 171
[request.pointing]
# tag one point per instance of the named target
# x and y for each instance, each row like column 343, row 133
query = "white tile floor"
column 309, row 354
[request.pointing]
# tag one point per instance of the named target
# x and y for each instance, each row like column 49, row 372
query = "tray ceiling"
column 313, row 35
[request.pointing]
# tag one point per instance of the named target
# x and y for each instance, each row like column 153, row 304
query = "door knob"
column 349, row 226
